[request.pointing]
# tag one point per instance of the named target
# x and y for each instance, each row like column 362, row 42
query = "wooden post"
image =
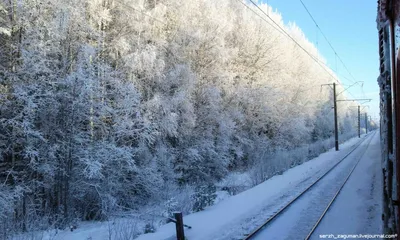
column 180, row 234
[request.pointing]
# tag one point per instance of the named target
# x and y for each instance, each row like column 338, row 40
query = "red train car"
column 388, row 21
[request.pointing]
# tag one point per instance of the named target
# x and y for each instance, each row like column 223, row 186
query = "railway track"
column 279, row 212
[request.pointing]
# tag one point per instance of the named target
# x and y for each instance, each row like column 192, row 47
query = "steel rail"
column 280, row 211
column 337, row 193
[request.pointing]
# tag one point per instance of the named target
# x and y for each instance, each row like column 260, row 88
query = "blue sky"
column 350, row 26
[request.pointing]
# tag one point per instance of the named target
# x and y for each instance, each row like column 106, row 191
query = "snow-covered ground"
column 357, row 209
column 352, row 209
column 238, row 215
column 235, row 216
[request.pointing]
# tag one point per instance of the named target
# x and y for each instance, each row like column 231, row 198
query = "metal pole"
column 366, row 123
column 359, row 121
column 180, row 234
column 335, row 114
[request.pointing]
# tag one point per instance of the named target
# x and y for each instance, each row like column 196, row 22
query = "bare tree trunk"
column 24, row 213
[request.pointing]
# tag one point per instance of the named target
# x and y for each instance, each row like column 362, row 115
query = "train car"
column 388, row 22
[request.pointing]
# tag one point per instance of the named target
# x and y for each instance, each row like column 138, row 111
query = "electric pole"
column 335, row 112
column 366, row 123
column 335, row 116
column 359, row 117
column 359, row 132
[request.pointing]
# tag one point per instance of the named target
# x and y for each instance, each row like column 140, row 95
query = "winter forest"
column 143, row 107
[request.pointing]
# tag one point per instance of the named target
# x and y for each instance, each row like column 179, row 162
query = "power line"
column 283, row 31
column 336, row 55
column 312, row 57
column 279, row 29
column 362, row 90
column 260, row 16
column 343, row 76
column 349, row 87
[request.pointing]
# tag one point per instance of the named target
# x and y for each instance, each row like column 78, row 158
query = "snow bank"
column 218, row 217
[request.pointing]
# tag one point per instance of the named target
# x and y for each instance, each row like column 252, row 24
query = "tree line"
column 105, row 104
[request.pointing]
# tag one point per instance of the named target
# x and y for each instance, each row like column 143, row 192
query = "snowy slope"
column 233, row 216
column 238, row 214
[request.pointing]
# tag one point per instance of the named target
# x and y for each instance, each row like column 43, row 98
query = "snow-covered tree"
column 105, row 104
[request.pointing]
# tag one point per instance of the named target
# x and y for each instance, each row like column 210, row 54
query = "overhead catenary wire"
column 324, row 66
column 322, row 33
column 285, row 33
column 333, row 49
column 362, row 90
column 260, row 16
column 277, row 27
column 348, row 87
